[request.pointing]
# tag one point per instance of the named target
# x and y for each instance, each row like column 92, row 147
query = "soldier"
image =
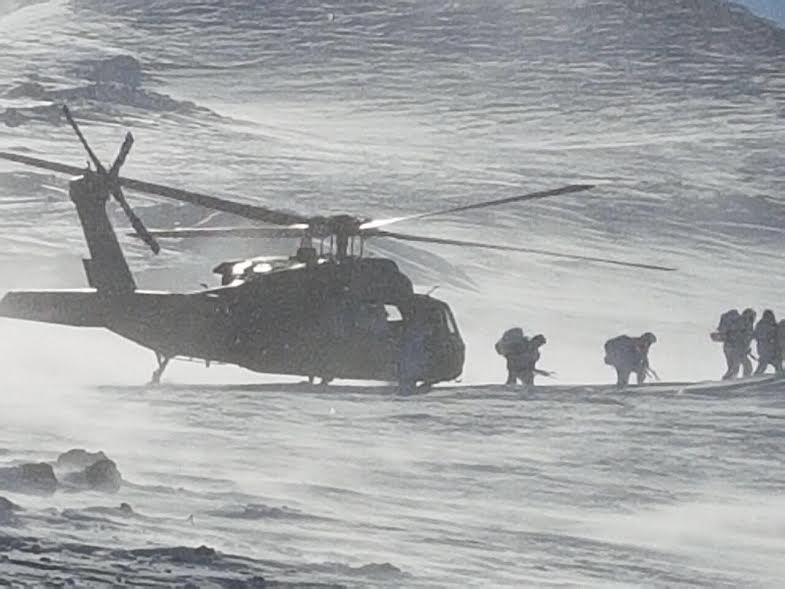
column 528, row 362
column 745, row 341
column 513, row 345
column 780, row 345
column 412, row 360
column 768, row 349
column 630, row 355
column 730, row 332
column 729, row 321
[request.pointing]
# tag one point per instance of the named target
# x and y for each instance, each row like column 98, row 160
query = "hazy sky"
column 773, row 9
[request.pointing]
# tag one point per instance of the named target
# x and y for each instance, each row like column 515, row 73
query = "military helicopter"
column 327, row 313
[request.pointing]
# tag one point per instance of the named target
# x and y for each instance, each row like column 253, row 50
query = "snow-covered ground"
column 672, row 107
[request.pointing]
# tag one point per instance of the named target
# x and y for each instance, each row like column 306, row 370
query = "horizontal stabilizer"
column 80, row 308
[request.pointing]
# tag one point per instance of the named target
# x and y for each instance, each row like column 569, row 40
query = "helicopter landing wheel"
column 424, row 387
column 411, row 387
column 163, row 361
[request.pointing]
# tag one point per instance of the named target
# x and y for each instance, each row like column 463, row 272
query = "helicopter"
column 325, row 313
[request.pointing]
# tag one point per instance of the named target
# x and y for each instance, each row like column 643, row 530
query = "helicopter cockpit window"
column 393, row 313
column 254, row 269
column 448, row 319
column 374, row 318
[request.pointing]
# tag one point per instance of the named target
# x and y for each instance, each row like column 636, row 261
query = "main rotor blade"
column 248, row 211
column 94, row 158
column 39, row 163
column 375, row 224
column 136, row 222
column 120, row 159
column 253, row 212
column 258, row 232
column 458, row 242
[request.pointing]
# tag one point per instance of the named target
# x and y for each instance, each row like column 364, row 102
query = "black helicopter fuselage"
column 355, row 318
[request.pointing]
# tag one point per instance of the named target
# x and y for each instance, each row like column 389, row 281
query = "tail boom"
column 80, row 308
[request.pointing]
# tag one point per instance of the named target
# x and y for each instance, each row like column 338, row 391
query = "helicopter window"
column 373, row 318
column 393, row 313
column 262, row 268
column 448, row 319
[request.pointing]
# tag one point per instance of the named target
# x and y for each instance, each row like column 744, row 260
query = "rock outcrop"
column 78, row 459
column 8, row 511
column 101, row 476
column 35, row 479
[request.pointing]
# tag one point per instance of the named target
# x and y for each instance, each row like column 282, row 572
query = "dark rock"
column 124, row 510
column 120, row 69
column 259, row 511
column 37, row 479
column 79, row 459
column 7, row 512
column 122, row 94
column 255, row 582
column 9, row 543
column 201, row 555
column 27, row 90
column 179, row 554
column 101, row 476
column 8, row 505
column 13, row 118
column 104, row 476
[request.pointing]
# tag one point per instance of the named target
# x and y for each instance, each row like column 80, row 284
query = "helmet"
column 514, row 334
column 749, row 314
column 649, row 337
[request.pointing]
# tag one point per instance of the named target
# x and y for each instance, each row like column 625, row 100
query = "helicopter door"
column 367, row 340
column 449, row 361
column 394, row 322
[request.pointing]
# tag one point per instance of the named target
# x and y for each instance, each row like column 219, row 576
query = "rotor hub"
column 340, row 226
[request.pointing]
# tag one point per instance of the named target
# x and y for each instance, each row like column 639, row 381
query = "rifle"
column 546, row 373
column 654, row 375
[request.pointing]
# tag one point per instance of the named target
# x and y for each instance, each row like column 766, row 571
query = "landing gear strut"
column 324, row 380
column 162, row 363
column 410, row 387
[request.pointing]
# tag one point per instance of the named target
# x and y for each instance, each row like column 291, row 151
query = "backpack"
column 729, row 321
column 510, row 339
column 612, row 349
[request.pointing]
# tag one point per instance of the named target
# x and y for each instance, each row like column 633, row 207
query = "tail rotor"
column 111, row 180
